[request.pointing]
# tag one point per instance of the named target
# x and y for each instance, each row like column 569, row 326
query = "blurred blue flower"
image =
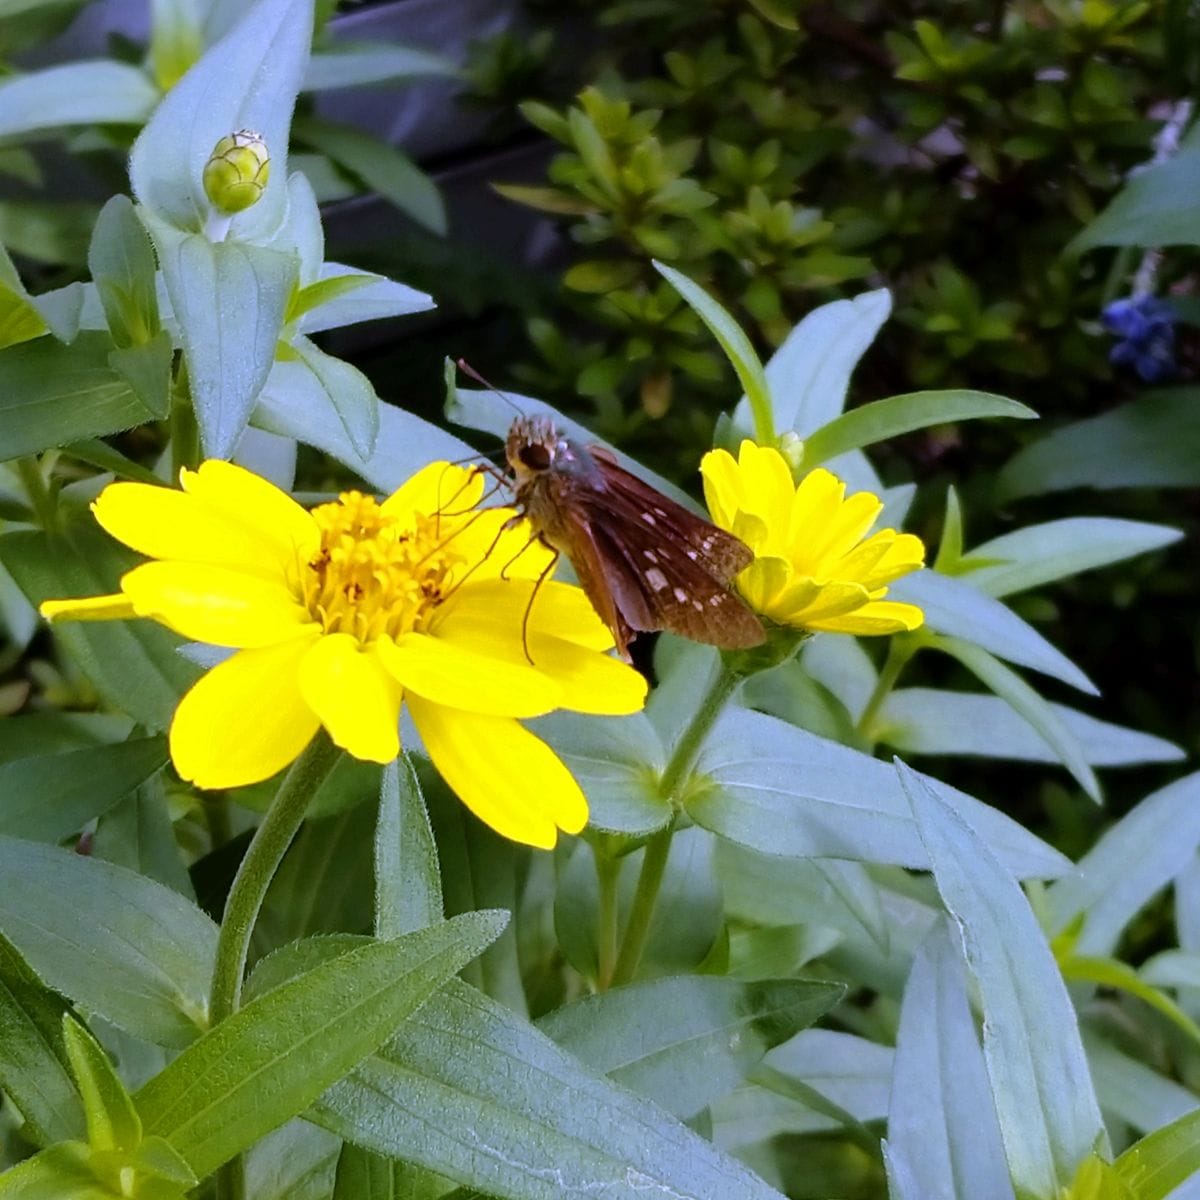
column 1145, row 329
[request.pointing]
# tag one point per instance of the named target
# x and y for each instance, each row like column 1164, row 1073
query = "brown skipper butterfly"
column 645, row 562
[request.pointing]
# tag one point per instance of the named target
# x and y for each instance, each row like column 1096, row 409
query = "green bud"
column 237, row 171
column 791, row 446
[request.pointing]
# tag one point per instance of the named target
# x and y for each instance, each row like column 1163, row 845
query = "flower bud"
column 791, row 446
column 237, row 171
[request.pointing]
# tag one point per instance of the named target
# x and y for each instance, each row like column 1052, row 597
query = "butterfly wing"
column 666, row 567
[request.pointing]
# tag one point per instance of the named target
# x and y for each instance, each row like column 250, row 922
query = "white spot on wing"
column 692, row 555
column 681, row 595
column 648, row 519
column 650, row 556
column 656, row 579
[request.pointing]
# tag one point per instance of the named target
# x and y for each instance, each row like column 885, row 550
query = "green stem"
column 265, row 853
column 899, row 653
column 608, row 871
column 654, row 860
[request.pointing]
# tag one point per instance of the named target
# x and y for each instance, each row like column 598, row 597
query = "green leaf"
column 273, row 1058
column 324, row 883
column 344, row 296
column 1156, row 207
column 929, row 721
column 358, row 64
column 1038, row 554
column 112, row 1121
column 1118, row 976
column 33, row 1069
column 479, row 870
column 350, row 394
column 897, row 415
column 809, row 375
column 1153, row 442
column 382, row 168
column 733, row 341
column 133, row 664
column 767, row 785
column 958, row 610
column 943, row 1132
column 294, row 405
column 20, row 320
column 1133, row 860
column 472, row 1091
column 295, row 1162
column 362, row 1175
column 147, row 370
column 1161, row 1161
column 146, row 961
column 47, row 797
column 229, row 299
column 61, row 1172
column 102, row 455
column 51, row 394
column 121, row 260
column 137, row 834
column 408, row 881
column 247, row 80
column 100, row 92
column 617, row 761
column 697, row 1036
column 1049, row 1117
column 1027, row 703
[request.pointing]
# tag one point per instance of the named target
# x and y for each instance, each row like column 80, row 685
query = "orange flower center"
column 373, row 575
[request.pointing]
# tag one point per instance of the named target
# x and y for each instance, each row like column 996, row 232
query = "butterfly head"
column 535, row 448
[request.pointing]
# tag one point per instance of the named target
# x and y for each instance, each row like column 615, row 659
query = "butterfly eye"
column 535, row 456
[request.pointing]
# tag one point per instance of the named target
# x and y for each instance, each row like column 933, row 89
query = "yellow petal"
column 878, row 617
column 164, row 523
column 508, row 778
column 460, row 676
column 357, row 701
column 244, row 720
column 439, row 487
column 90, row 608
column 217, row 605
column 840, row 530
column 497, row 609
column 832, row 600
column 762, row 582
column 586, row 681
column 767, row 487
column 500, row 546
column 722, row 493
column 244, row 496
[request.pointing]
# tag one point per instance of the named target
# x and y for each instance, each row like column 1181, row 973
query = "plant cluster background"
column 904, row 903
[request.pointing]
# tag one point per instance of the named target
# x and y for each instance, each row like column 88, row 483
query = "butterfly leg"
column 549, row 567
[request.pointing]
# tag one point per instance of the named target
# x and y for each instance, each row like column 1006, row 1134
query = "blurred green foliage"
column 788, row 152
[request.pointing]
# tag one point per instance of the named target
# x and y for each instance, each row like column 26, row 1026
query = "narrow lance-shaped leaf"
column 1049, row 1117
column 146, row 962
column 732, row 340
column 33, row 1070
column 408, row 882
column 269, row 1061
column 697, row 1036
column 897, row 415
column 470, row 1090
column 943, row 1135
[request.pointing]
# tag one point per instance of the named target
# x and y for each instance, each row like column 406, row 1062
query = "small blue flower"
column 1145, row 329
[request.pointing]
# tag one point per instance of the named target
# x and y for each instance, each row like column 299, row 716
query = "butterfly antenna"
column 468, row 370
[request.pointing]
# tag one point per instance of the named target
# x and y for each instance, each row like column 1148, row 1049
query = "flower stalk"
column 658, row 849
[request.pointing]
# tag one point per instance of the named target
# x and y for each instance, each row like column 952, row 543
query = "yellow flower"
column 339, row 614
column 814, row 567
